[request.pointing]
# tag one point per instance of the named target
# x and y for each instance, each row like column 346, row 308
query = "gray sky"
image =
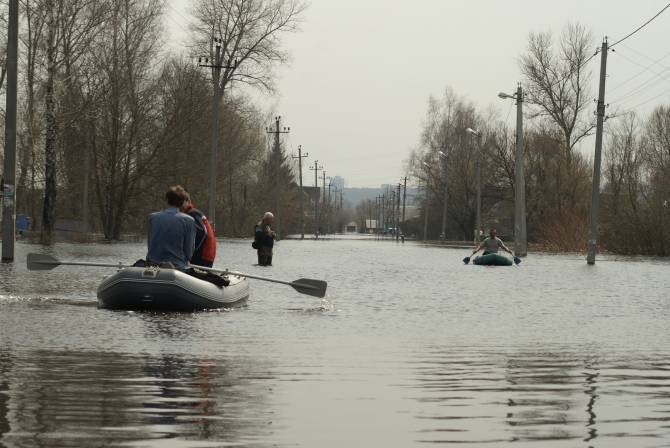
column 355, row 93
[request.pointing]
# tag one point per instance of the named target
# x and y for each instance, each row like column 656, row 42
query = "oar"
column 316, row 288
column 45, row 262
column 309, row 286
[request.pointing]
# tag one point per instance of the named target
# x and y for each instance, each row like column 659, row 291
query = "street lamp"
column 478, row 181
column 520, row 243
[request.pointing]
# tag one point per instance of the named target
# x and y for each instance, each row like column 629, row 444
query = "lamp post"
column 520, row 242
column 478, row 181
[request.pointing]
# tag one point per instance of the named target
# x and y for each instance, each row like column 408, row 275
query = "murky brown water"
column 410, row 348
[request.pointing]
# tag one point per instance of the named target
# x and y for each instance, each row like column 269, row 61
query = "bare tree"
column 557, row 79
column 70, row 26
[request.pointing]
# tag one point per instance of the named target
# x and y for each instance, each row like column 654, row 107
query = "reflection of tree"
column 94, row 399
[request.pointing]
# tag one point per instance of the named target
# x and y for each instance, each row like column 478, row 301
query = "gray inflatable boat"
column 162, row 289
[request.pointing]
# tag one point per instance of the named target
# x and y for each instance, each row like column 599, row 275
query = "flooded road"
column 409, row 348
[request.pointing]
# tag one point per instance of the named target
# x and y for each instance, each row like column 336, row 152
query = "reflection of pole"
column 8, row 198
column 520, row 245
column 302, row 196
column 595, row 192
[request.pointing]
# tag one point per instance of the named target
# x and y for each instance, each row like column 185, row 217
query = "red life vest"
column 208, row 248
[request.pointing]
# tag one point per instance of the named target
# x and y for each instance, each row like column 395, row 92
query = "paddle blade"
column 41, row 262
column 517, row 260
column 466, row 260
column 316, row 288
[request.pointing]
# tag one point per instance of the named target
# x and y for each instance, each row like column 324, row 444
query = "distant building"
column 352, row 227
column 337, row 182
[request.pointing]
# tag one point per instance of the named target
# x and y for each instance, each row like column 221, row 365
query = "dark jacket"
column 263, row 237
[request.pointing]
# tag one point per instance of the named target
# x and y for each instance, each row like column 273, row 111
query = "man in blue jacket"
column 171, row 233
column 264, row 239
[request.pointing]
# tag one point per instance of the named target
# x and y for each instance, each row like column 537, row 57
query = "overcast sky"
column 356, row 91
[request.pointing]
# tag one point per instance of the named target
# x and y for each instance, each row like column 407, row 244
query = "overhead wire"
column 644, row 70
column 653, row 80
column 640, row 27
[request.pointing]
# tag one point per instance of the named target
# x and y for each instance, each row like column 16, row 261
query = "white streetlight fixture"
column 520, row 243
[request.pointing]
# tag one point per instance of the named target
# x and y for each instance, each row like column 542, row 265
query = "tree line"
column 558, row 102
column 108, row 118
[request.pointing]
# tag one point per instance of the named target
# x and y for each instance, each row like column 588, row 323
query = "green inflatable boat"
column 492, row 260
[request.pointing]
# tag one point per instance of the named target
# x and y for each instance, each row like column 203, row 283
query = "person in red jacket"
column 205, row 240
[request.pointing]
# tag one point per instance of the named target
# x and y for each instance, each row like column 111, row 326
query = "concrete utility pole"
column 216, row 67
column 323, row 202
column 443, row 156
column 426, row 204
column 316, row 168
column 330, row 211
column 302, row 198
column 397, row 219
column 595, row 192
column 520, row 242
column 276, row 156
column 404, row 197
column 9, row 170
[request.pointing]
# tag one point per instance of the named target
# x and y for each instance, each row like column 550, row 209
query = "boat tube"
column 492, row 260
column 161, row 289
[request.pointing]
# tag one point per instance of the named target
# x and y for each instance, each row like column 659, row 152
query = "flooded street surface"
column 409, row 348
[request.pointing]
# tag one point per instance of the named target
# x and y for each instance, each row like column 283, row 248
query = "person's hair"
column 176, row 195
column 268, row 215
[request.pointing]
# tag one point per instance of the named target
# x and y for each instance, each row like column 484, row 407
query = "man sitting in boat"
column 171, row 233
column 205, row 241
column 172, row 237
column 491, row 245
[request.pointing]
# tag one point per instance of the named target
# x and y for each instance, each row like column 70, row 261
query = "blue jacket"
column 171, row 237
column 262, row 235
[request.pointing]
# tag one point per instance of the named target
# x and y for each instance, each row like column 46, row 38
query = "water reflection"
column 548, row 397
column 62, row 399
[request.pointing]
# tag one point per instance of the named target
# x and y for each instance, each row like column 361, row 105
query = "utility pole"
column 383, row 207
column 323, row 202
column 397, row 219
column 276, row 156
column 595, row 192
column 9, row 170
column 216, row 67
column 330, row 209
column 426, row 205
column 520, row 243
column 316, row 168
column 443, row 156
column 302, row 198
column 404, row 197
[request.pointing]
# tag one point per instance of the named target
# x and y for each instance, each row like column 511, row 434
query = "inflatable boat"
column 161, row 289
column 492, row 260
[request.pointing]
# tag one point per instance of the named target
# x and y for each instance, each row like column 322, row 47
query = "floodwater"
column 409, row 348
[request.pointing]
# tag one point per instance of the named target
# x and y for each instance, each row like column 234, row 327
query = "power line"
column 641, row 26
column 644, row 70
